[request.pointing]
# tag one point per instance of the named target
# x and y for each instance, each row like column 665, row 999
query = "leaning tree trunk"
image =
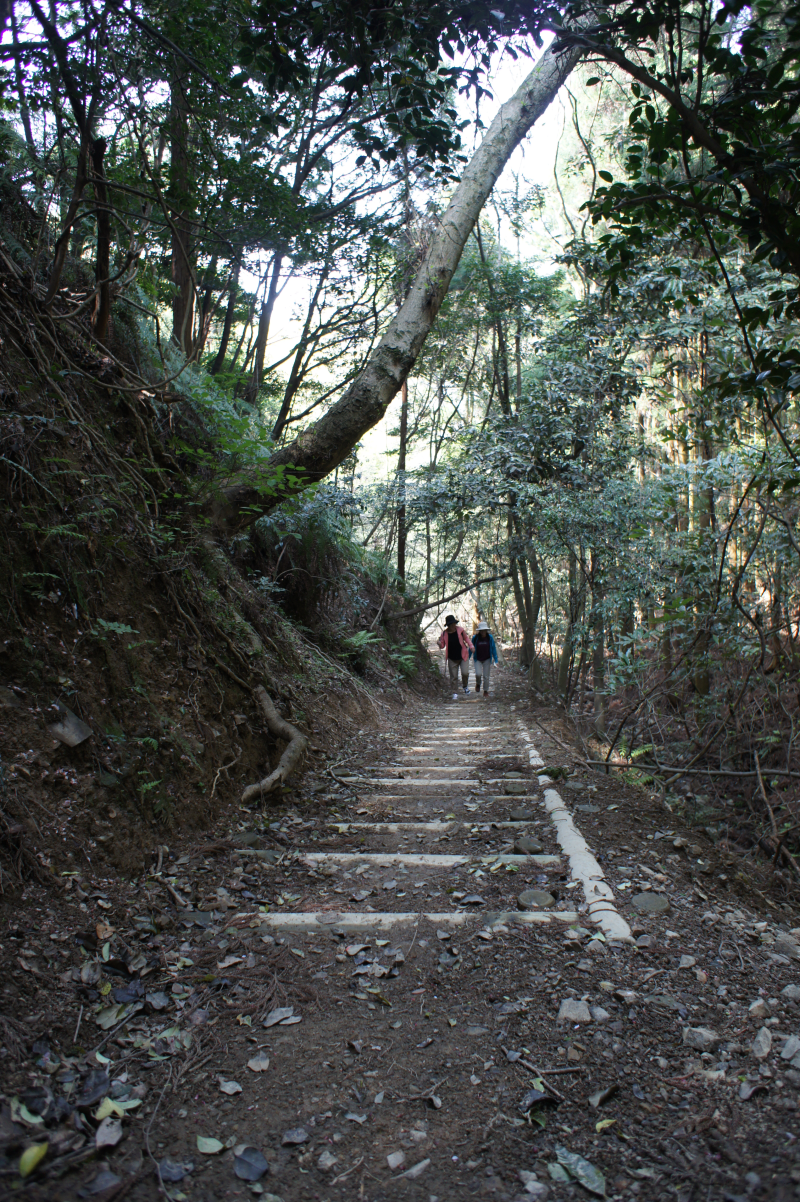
column 319, row 449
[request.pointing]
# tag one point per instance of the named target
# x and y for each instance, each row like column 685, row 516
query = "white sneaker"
column 466, row 692
column 455, row 696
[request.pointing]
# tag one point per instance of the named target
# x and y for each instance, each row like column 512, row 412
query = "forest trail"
column 357, row 999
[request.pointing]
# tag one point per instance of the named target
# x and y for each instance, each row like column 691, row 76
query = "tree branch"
column 410, row 613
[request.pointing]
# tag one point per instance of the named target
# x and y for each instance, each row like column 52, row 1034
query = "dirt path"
column 352, row 995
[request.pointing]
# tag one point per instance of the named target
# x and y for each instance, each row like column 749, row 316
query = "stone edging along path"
column 582, row 863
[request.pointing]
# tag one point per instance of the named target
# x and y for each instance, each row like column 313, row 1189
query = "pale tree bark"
column 320, row 448
column 402, row 530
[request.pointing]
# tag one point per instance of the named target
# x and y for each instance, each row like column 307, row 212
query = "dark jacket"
column 492, row 646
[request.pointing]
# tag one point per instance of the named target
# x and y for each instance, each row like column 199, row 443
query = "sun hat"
column 450, row 618
column 483, row 626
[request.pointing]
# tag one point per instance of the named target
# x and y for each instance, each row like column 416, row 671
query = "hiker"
column 459, row 645
column 485, row 653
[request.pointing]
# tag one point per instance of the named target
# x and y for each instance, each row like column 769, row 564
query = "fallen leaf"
column 229, row 961
column 208, row 1145
column 583, row 1171
column 108, row 1108
column 259, row 1063
column 279, row 1016
column 108, row 1134
column 31, row 1157
column 250, row 1164
column 601, row 1126
column 602, row 1095
column 229, row 1087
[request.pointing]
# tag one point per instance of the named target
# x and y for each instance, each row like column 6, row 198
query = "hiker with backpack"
column 485, row 652
column 459, row 645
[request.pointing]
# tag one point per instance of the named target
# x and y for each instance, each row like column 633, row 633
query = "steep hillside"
column 132, row 641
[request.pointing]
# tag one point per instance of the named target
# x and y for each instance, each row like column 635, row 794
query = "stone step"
column 426, row 783
column 418, row 784
column 357, row 921
column 418, row 859
column 433, row 827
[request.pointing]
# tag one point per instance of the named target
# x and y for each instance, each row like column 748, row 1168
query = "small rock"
column 105, row 1180
column 534, row 1188
column 786, row 945
column 417, row 1170
column 599, row 1015
column 790, row 1048
column 762, row 1044
column 573, row 1011
column 326, row 1161
column 535, row 899
column 514, row 788
column 650, row 903
column 527, row 846
column 752, row 1181
column 395, row 1160
column 702, row 1039
column 758, row 1009
column 645, row 941
column 390, row 885
column 791, row 993
column 748, row 1088
column 69, row 729
column 297, row 1135
column 173, row 1170
column 472, row 899
column 687, row 962
column 521, row 815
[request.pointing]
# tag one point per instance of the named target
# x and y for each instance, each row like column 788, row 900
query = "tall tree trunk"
column 318, row 449
column 24, row 109
column 297, row 374
column 597, row 623
column 180, row 195
column 536, row 605
column 565, row 658
column 401, row 483
column 264, row 320
column 428, row 553
column 233, row 294
column 62, row 245
column 207, row 307
column 102, row 265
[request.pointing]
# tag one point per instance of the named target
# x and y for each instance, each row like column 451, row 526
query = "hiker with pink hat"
column 459, row 646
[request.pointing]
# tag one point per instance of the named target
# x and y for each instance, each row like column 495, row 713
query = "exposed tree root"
column 298, row 744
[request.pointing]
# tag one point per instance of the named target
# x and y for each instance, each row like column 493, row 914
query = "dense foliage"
column 605, row 416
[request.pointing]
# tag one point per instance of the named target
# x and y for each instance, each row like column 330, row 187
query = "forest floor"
column 340, row 998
